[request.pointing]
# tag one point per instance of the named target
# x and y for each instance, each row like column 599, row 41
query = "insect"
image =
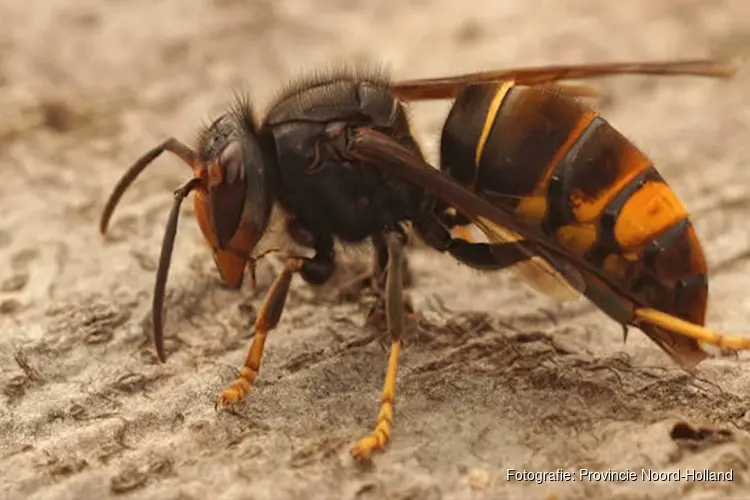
column 558, row 192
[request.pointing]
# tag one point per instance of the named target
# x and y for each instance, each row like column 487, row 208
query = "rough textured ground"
column 496, row 377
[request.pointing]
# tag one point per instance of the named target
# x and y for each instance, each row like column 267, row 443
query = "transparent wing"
column 552, row 277
column 448, row 87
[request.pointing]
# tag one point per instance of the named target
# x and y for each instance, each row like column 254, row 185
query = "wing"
column 448, row 87
column 559, row 281
column 552, row 277
column 679, row 338
column 373, row 147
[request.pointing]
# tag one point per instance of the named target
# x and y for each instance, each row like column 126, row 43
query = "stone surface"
column 499, row 378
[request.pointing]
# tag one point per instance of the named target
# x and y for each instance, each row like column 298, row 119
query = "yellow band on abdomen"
column 489, row 120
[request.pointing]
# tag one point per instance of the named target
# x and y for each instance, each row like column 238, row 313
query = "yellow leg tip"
column 228, row 397
column 238, row 390
column 365, row 447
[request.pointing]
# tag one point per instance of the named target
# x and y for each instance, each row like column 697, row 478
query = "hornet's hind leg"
column 483, row 256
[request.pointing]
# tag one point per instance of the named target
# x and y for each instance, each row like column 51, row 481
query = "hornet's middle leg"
column 373, row 278
column 396, row 320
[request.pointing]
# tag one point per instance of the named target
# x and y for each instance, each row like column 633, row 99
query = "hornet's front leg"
column 268, row 318
column 396, row 320
column 315, row 270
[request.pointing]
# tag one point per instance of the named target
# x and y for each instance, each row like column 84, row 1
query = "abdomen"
column 560, row 167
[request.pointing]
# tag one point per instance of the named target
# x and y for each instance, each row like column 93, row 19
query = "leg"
column 395, row 314
column 379, row 262
column 483, row 256
column 377, row 317
column 449, row 217
column 374, row 278
column 352, row 289
column 315, row 270
column 457, row 223
column 318, row 270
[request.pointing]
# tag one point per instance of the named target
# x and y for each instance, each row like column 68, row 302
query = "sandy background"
column 495, row 376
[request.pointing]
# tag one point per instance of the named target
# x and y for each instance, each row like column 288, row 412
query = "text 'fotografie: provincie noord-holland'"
column 626, row 475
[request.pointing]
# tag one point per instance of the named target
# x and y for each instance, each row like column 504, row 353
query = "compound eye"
column 230, row 162
column 226, row 192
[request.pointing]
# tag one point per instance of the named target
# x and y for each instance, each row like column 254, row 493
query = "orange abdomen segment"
column 559, row 166
column 637, row 230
